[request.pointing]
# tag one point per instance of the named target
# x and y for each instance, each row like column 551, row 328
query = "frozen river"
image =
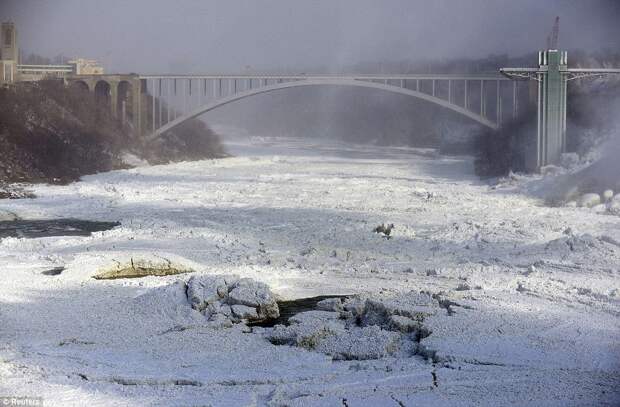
column 533, row 292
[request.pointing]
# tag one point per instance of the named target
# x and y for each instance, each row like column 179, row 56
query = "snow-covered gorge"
column 518, row 302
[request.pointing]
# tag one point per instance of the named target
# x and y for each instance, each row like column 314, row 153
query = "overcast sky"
column 149, row 36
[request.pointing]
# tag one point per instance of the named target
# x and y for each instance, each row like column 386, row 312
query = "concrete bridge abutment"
column 121, row 93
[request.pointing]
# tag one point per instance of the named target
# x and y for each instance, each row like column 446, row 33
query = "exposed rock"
column 589, row 200
column 142, row 268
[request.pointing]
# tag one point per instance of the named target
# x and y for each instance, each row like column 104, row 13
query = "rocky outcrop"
column 137, row 268
column 52, row 133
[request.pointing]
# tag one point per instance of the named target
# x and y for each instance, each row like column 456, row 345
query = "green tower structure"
column 551, row 129
column 552, row 76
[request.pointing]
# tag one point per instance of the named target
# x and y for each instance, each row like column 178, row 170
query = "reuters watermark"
column 21, row 401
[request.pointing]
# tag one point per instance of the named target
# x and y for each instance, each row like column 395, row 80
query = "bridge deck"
column 381, row 77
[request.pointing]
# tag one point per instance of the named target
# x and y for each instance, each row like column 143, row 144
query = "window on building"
column 8, row 37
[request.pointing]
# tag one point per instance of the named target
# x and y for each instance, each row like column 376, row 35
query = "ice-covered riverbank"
column 522, row 308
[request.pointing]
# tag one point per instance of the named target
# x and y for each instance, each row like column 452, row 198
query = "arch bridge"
column 156, row 104
column 174, row 99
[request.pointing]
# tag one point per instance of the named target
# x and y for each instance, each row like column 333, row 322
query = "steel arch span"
column 318, row 81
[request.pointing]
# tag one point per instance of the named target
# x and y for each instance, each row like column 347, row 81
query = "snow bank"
column 588, row 186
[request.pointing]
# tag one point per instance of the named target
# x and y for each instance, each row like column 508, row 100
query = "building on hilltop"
column 83, row 66
column 12, row 71
column 9, row 53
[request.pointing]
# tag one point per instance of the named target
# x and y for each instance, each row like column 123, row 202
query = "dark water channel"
column 52, row 227
column 293, row 307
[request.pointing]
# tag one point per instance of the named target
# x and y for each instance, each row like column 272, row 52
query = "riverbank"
column 55, row 134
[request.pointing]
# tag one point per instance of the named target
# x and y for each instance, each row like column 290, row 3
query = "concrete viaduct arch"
column 122, row 93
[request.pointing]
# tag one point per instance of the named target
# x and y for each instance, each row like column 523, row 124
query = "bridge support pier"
column 114, row 100
column 552, row 76
column 551, row 131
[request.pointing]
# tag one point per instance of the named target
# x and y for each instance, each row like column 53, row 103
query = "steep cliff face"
column 49, row 133
column 52, row 133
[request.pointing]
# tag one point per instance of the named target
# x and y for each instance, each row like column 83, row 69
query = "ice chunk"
column 244, row 312
column 204, row 290
column 589, row 200
column 330, row 304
